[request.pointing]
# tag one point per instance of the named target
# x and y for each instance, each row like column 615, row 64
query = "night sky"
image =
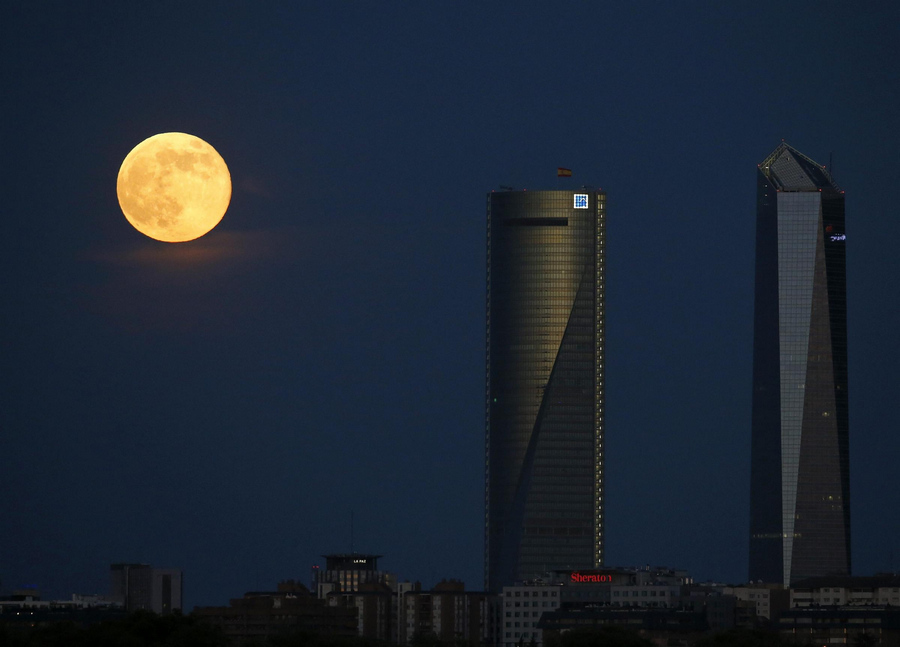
column 224, row 406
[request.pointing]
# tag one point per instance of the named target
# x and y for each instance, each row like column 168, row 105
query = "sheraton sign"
column 590, row 576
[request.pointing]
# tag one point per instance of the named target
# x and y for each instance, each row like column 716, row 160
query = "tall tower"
column 544, row 397
column 799, row 483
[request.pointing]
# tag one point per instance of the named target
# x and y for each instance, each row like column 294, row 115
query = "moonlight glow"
column 174, row 187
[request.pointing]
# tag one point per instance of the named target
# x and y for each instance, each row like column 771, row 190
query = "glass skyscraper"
column 544, row 410
column 800, row 485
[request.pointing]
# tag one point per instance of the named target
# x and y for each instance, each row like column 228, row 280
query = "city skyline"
column 800, row 480
column 226, row 405
column 544, row 465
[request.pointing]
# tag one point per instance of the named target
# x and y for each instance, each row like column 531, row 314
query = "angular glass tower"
column 800, row 485
column 544, row 396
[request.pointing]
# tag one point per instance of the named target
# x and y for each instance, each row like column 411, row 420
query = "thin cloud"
column 211, row 286
column 217, row 248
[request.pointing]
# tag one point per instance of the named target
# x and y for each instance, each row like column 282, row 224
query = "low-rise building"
column 878, row 626
column 289, row 609
column 521, row 609
column 25, row 608
column 723, row 609
column 142, row 587
column 653, row 594
column 769, row 600
column 447, row 612
column 346, row 572
column 846, row 590
column 663, row 626
column 375, row 605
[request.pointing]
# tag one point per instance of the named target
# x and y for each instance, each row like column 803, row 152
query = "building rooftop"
column 790, row 170
column 351, row 561
column 850, row 581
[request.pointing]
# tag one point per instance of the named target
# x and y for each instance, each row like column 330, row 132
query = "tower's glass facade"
column 800, row 489
column 544, row 427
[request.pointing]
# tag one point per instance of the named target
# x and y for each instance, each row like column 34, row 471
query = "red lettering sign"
column 577, row 576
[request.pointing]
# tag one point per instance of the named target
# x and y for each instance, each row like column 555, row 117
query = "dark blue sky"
column 224, row 405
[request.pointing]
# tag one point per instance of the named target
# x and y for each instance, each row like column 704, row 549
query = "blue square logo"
column 581, row 201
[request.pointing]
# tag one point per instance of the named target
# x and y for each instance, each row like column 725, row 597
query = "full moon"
column 174, row 187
